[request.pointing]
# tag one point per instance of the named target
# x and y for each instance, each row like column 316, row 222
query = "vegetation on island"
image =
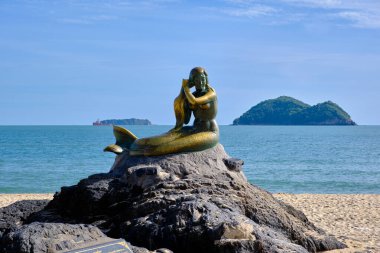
column 289, row 111
column 131, row 121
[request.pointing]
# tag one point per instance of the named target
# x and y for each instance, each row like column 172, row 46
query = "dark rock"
column 50, row 237
column 143, row 177
column 57, row 237
column 45, row 237
column 233, row 164
column 191, row 202
column 236, row 245
column 163, row 251
column 85, row 198
column 16, row 214
column 144, row 250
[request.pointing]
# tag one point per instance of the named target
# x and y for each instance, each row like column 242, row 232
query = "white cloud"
column 316, row 3
column 84, row 12
column 241, row 2
column 87, row 20
column 362, row 14
column 356, row 13
column 251, row 11
column 361, row 19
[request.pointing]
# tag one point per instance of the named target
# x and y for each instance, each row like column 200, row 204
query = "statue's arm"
column 208, row 97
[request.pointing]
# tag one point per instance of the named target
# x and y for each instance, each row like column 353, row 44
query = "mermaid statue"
column 202, row 135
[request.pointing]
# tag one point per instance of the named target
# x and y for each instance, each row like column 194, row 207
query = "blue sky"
column 72, row 62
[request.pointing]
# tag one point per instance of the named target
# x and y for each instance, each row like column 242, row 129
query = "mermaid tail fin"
column 124, row 140
column 124, row 137
column 114, row 149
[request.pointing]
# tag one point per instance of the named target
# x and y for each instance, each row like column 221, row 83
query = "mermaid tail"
column 124, row 139
column 185, row 142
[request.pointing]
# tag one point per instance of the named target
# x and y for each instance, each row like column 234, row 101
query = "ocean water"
column 294, row 159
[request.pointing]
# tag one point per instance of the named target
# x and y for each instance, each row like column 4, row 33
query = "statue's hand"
column 186, row 83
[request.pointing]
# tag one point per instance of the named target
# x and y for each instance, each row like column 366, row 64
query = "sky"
column 72, row 62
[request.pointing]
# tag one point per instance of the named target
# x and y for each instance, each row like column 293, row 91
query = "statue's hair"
column 198, row 70
column 181, row 108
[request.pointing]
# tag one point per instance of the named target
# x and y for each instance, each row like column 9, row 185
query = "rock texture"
column 50, row 237
column 16, row 214
column 193, row 202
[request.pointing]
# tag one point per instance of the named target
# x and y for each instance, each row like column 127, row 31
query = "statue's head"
column 198, row 78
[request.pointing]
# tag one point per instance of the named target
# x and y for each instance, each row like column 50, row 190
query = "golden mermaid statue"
column 202, row 135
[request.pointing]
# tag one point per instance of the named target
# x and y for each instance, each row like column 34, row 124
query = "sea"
column 291, row 159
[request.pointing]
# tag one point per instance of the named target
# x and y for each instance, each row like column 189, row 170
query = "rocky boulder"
column 190, row 202
column 50, row 237
column 14, row 215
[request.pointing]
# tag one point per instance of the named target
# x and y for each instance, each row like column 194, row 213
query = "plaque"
column 114, row 246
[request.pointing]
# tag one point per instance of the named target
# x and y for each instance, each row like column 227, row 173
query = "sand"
column 352, row 218
column 7, row 199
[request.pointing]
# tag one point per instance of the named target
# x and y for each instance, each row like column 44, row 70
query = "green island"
column 286, row 110
column 132, row 121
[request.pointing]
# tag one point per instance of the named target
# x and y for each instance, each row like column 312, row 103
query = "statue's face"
column 200, row 81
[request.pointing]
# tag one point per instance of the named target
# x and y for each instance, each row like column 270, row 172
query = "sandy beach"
column 7, row 199
column 352, row 218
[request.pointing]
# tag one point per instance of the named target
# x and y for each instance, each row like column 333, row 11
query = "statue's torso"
column 205, row 115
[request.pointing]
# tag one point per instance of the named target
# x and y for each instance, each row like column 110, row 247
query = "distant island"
column 132, row 121
column 289, row 111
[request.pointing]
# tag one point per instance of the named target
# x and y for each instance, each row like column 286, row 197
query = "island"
column 286, row 110
column 132, row 121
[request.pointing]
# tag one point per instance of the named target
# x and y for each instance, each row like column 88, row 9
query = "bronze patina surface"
column 204, row 133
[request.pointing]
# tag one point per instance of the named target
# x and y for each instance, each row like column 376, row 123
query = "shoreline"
column 352, row 218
